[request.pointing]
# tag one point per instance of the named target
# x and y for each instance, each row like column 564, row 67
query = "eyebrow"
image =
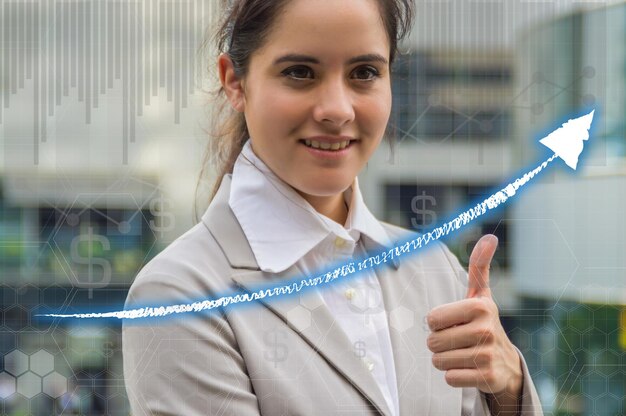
column 294, row 57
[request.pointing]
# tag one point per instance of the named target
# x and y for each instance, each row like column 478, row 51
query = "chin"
column 328, row 189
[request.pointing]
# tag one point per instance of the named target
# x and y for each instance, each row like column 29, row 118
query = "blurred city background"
column 104, row 108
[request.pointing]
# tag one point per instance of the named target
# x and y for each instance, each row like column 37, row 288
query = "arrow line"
column 419, row 242
column 567, row 143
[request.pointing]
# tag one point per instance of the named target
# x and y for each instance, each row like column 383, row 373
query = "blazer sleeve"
column 475, row 401
column 188, row 365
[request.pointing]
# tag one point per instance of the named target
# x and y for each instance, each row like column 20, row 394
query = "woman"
column 309, row 81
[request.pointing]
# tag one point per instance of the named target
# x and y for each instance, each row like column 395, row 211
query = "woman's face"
column 320, row 80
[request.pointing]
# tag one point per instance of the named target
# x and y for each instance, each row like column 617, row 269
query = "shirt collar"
column 280, row 225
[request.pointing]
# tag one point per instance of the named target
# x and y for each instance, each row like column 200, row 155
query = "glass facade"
column 451, row 97
column 571, row 64
column 575, row 346
column 66, row 260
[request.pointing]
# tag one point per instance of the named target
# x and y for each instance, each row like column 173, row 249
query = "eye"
column 298, row 72
column 366, row 73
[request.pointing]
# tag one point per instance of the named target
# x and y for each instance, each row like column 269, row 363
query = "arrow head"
column 567, row 141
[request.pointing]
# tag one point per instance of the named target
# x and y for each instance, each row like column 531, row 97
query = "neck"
column 334, row 207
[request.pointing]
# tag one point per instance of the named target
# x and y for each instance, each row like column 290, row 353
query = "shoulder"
column 191, row 267
column 439, row 269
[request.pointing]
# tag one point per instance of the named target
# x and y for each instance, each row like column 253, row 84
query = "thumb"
column 480, row 260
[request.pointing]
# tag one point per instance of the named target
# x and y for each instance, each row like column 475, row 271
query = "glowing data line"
column 566, row 142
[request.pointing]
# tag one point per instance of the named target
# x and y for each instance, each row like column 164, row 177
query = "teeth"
column 327, row 146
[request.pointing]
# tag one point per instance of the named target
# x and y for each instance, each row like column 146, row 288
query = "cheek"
column 376, row 112
column 283, row 101
column 283, row 113
column 275, row 119
column 384, row 106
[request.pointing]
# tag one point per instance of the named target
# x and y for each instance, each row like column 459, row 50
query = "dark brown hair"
column 243, row 29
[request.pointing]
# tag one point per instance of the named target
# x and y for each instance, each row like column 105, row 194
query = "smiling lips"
column 328, row 143
column 327, row 146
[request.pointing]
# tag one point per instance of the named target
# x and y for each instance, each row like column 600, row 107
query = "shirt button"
column 339, row 242
column 369, row 364
column 349, row 293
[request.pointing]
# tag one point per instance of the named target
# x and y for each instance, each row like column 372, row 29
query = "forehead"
column 330, row 28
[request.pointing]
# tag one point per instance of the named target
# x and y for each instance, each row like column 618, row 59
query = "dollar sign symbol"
column 158, row 209
column 418, row 206
column 90, row 239
column 276, row 352
column 359, row 349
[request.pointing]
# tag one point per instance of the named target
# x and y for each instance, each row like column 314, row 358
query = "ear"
column 233, row 86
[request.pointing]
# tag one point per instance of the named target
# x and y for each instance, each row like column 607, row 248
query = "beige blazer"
column 288, row 355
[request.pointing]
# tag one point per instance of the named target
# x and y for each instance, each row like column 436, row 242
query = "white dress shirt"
column 283, row 230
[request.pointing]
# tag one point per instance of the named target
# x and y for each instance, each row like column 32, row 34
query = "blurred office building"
column 568, row 232
column 103, row 119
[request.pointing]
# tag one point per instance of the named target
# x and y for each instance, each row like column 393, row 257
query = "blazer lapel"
column 323, row 333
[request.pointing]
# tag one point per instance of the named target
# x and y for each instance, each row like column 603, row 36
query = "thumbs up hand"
column 469, row 343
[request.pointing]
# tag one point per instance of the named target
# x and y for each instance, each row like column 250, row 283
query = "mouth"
column 327, row 146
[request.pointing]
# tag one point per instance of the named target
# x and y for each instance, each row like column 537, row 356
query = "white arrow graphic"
column 567, row 142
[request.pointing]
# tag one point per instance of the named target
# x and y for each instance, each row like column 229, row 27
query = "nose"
column 334, row 105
